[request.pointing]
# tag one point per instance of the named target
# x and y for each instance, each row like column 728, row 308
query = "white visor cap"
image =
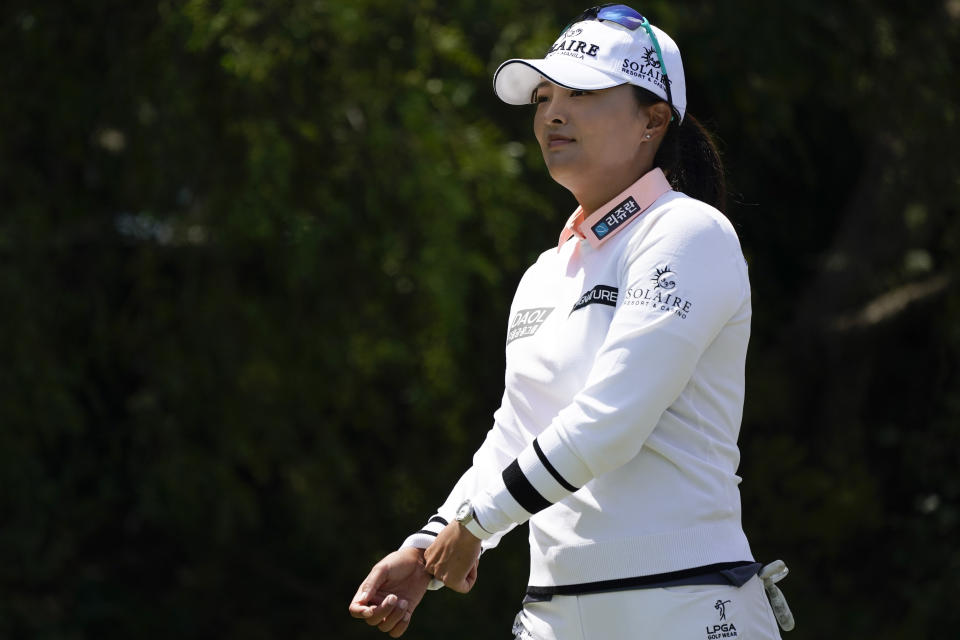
column 596, row 54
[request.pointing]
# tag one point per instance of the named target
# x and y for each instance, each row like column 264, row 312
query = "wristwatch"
column 468, row 519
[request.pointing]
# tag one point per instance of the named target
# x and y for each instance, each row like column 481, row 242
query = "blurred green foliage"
column 255, row 264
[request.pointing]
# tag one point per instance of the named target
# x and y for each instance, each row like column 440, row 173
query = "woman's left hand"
column 453, row 557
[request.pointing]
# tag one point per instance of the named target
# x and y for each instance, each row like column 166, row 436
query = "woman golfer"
column 617, row 434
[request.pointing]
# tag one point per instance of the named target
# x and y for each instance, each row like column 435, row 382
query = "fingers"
column 371, row 583
column 389, row 594
column 360, row 606
column 375, row 610
column 387, row 615
column 365, row 602
column 452, row 558
column 471, row 578
column 398, row 612
column 365, row 605
column 455, row 582
column 398, row 630
column 460, row 586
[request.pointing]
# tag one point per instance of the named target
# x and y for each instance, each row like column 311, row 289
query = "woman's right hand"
column 393, row 589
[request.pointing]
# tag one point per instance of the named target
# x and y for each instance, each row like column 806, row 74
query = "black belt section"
column 736, row 574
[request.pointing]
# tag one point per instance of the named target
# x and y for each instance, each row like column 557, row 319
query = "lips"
column 556, row 141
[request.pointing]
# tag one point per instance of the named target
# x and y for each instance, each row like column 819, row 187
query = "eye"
column 536, row 98
column 579, row 92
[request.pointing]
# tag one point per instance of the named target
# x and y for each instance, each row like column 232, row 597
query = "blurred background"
column 255, row 266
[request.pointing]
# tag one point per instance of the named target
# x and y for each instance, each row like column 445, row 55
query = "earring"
column 648, row 136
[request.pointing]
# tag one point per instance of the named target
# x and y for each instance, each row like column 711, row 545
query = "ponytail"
column 689, row 157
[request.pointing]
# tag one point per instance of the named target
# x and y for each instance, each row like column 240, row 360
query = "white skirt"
column 708, row 612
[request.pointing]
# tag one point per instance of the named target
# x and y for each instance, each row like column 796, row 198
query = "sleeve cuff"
column 497, row 511
column 425, row 537
column 418, row 540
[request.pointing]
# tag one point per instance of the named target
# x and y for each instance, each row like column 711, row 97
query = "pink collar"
column 608, row 220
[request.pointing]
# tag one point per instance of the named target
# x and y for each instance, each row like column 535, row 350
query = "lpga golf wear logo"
column 721, row 606
column 620, row 214
column 526, row 322
column 724, row 629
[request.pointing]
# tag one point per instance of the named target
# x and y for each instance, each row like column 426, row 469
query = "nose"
column 554, row 113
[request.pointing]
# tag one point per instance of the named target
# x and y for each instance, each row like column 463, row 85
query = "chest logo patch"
column 600, row 294
column 526, row 322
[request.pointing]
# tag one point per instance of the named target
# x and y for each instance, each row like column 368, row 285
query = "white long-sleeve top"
column 617, row 434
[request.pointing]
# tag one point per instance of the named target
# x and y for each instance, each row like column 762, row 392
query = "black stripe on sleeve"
column 438, row 519
column 521, row 489
column 429, row 533
column 549, row 467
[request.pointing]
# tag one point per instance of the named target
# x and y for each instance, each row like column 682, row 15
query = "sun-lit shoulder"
column 679, row 213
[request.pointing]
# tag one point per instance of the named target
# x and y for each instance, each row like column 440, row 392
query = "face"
column 592, row 137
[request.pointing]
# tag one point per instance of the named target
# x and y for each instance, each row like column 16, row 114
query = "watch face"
column 464, row 510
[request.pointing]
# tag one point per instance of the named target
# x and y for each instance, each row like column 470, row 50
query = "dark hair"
column 689, row 157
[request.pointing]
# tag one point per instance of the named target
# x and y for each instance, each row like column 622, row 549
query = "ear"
column 658, row 115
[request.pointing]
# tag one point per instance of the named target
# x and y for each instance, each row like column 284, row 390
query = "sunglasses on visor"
column 626, row 17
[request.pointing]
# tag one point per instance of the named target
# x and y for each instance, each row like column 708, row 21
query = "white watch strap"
column 474, row 527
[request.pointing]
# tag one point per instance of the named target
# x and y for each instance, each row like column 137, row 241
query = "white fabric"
column 673, row 613
column 637, row 405
column 594, row 55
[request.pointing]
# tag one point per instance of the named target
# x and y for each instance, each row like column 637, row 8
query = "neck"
column 597, row 193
